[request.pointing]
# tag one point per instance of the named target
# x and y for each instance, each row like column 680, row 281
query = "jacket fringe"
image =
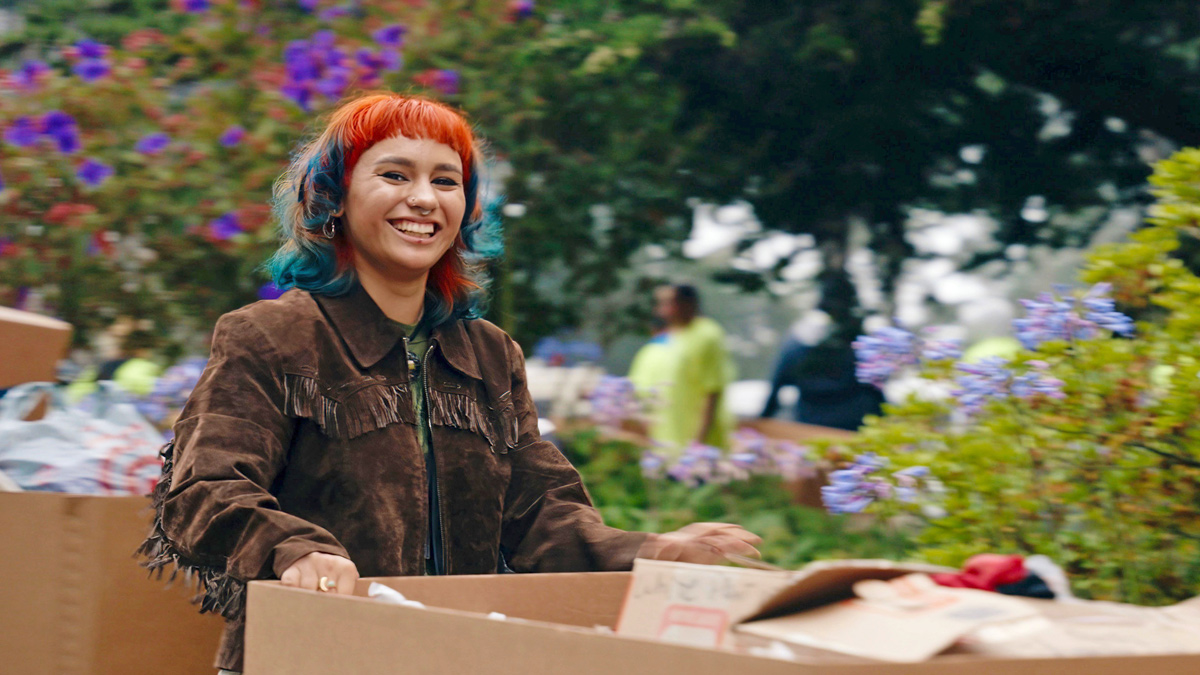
column 217, row 592
column 463, row 412
column 460, row 412
column 370, row 408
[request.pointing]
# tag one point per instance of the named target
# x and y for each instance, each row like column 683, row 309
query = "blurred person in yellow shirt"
column 684, row 371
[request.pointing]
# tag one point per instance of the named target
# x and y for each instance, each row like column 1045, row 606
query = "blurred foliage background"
column 607, row 120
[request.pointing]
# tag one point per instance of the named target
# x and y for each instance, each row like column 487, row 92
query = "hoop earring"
column 329, row 229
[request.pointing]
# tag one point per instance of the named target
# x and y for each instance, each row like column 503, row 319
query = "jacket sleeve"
column 215, row 515
column 550, row 524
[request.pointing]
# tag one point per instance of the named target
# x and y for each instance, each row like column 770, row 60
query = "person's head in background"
column 676, row 304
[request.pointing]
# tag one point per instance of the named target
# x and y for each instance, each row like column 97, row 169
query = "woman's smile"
column 417, row 231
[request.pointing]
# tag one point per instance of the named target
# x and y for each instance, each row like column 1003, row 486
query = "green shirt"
column 418, row 344
column 679, row 370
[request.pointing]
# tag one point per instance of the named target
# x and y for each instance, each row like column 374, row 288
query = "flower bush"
column 635, row 496
column 1085, row 447
column 135, row 175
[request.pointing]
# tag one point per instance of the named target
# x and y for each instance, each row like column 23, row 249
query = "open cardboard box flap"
column 701, row 604
column 825, row 581
column 815, row 611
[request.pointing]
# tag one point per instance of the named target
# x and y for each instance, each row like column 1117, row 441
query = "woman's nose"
column 422, row 196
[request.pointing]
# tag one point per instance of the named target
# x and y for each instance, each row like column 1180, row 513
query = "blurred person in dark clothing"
column 819, row 361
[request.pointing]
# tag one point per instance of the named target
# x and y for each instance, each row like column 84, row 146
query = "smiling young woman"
column 369, row 421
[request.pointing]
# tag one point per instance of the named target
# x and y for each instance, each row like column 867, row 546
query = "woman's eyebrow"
column 404, row 161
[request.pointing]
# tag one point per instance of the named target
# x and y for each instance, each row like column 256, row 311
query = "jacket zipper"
column 441, row 564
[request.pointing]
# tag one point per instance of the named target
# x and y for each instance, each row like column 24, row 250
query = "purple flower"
column 1101, row 310
column 331, row 13
column 882, row 353
column 982, row 382
column 152, row 144
column 323, row 40
column 313, row 66
column 1035, row 383
column 90, row 70
column 334, row 84
column 387, row 59
column 57, row 121
column 270, row 291
column 652, row 464
column 225, row 226
column 90, row 49
column 93, row 172
column 67, row 140
column 299, row 61
column 852, row 490
column 2, row 242
column 390, row 36
column 991, row 379
column 23, row 132
column 521, row 9
column 28, row 74
column 941, row 350
column 390, row 60
column 195, row 6
column 1051, row 317
column 613, row 401
column 308, row 5
column 446, row 81
column 300, row 94
column 62, row 128
column 232, row 136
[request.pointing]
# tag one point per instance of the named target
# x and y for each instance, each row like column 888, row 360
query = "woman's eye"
column 392, row 175
column 446, row 181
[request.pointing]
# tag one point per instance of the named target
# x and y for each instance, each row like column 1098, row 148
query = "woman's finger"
column 347, row 578
column 291, row 576
column 308, row 576
column 744, row 535
column 704, row 552
column 736, row 546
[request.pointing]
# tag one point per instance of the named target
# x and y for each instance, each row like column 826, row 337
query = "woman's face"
column 404, row 206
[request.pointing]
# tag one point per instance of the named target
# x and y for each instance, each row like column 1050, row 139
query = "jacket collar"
column 370, row 335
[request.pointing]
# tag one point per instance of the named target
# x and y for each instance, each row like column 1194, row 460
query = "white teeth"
column 409, row 227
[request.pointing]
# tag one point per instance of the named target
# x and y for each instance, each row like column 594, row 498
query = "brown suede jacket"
column 301, row 436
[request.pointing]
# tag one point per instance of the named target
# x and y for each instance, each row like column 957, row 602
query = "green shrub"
column 1086, row 446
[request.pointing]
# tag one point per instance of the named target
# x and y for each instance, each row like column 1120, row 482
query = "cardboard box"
column 551, row 628
column 33, row 346
column 74, row 601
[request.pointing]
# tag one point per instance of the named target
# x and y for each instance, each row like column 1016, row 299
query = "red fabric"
column 985, row 572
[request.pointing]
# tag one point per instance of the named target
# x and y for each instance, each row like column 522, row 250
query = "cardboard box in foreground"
column 33, row 345
column 74, row 601
column 552, row 628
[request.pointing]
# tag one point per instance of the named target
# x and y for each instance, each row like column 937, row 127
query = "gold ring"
column 325, row 584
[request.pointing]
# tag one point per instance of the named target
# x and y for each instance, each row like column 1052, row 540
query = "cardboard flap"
column 825, row 581
column 908, row 619
column 700, row 604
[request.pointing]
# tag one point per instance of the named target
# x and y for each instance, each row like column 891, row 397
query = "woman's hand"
column 341, row 574
column 705, row 543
